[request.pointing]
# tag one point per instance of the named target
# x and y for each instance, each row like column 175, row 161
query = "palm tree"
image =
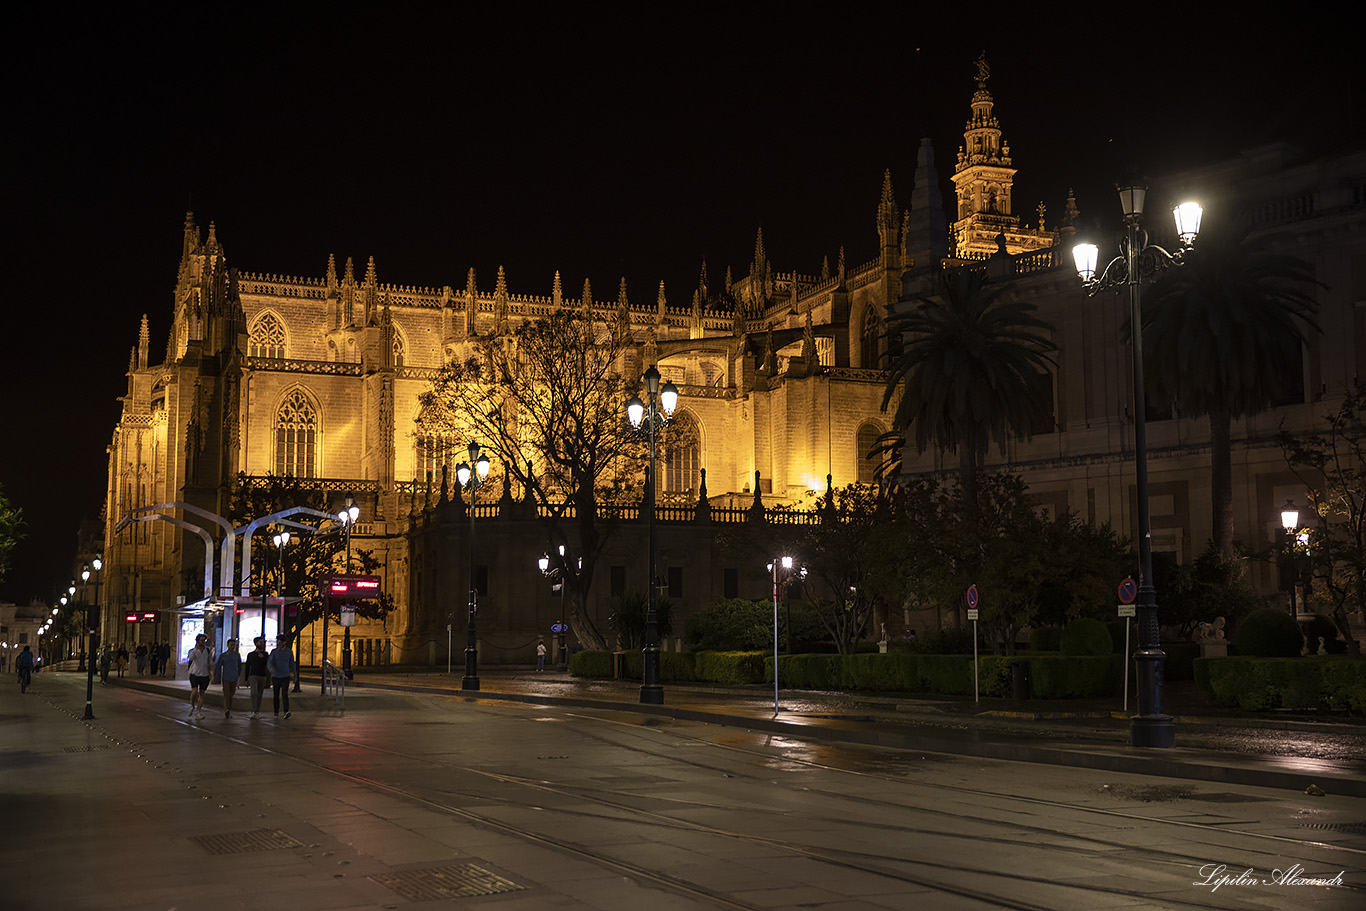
column 971, row 363
column 1224, row 337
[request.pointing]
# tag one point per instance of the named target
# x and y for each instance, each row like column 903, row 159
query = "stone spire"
column 927, row 238
column 586, row 303
column 621, row 332
column 144, row 341
column 887, row 215
column 370, row 289
column 330, row 279
column 557, row 291
column 500, row 304
column 471, row 304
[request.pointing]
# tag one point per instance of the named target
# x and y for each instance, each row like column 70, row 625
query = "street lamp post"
column 348, row 517
column 1290, row 520
column 471, row 476
column 280, row 541
column 1138, row 259
column 562, row 571
column 652, row 415
column 92, row 619
column 71, row 592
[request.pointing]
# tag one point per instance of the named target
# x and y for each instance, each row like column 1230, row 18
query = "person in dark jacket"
column 257, row 674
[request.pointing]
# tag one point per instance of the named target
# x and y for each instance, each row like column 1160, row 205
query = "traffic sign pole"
column 972, row 615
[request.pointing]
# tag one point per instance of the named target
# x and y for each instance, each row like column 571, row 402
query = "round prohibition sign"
column 972, row 595
column 1128, row 591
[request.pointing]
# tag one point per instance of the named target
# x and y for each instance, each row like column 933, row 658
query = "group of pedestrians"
column 257, row 666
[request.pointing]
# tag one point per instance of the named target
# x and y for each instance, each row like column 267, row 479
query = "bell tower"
column 983, row 182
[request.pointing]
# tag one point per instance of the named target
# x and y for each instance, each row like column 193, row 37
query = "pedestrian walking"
column 228, row 670
column 540, row 654
column 165, row 654
column 154, row 657
column 105, row 660
column 281, row 667
column 257, row 673
column 121, row 659
column 201, row 669
column 140, row 655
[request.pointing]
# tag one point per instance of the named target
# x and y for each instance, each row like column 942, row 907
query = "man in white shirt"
column 200, row 660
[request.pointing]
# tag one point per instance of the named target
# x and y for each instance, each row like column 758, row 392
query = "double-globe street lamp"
column 649, row 417
column 1137, row 260
column 280, row 541
column 783, row 566
column 92, row 619
column 561, row 572
column 71, row 592
column 347, row 517
column 471, row 476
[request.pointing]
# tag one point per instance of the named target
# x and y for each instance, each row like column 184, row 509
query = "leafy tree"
column 550, row 400
column 851, row 559
column 1211, row 586
column 731, row 624
column 11, row 532
column 1029, row 569
column 971, row 363
column 307, row 557
column 627, row 620
column 1332, row 466
column 1223, row 336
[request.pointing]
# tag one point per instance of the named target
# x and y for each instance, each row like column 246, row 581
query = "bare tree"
column 550, row 399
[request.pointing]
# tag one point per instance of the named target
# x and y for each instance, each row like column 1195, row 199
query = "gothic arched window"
column 296, row 437
column 865, row 441
column 868, row 350
column 398, row 348
column 267, row 337
column 434, row 452
column 684, row 455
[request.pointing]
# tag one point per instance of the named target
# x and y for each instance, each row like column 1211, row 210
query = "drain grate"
column 86, row 749
column 455, row 881
column 245, row 842
column 1350, row 828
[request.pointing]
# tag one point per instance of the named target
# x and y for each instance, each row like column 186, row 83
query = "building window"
column 868, row 353
column 481, row 579
column 267, row 337
column 866, row 442
column 731, row 582
column 683, row 456
column 296, row 438
column 432, row 454
column 675, row 581
column 398, row 348
column 618, row 586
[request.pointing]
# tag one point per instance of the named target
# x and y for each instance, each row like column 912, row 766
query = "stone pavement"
column 540, row 791
column 1266, row 750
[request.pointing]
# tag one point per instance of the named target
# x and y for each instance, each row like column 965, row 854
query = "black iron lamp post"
column 281, row 540
column 649, row 417
column 781, row 566
column 71, row 593
column 348, row 517
column 1290, row 521
column 1137, row 260
column 562, row 573
column 92, row 619
column 471, row 476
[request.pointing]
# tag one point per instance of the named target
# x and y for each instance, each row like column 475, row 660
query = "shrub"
column 954, row 640
column 1045, row 639
column 1085, row 636
column 1335, row 682
column 731, row 667
column 1323, row 628
column 1269, row 633
column 730, row 624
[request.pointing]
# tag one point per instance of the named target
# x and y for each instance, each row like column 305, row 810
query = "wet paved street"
column 424, row 800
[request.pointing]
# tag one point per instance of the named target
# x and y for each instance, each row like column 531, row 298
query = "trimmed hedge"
column 1085, row 637
column 1331, row 682
column 1051, row 676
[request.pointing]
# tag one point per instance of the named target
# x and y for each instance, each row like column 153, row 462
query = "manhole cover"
column 1351, row 828
column 244, row 842
column 87, row 749
column 455, row 881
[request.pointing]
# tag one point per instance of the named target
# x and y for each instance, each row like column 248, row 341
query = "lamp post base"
column 1152, row 731
column 651, row 694
column 471, row 679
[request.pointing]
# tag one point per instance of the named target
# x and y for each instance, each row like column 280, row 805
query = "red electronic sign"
column 148, row 616
column 351, row 586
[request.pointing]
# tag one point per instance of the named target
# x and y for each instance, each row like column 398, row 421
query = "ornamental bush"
column 1269, row 633
column 1084, row 637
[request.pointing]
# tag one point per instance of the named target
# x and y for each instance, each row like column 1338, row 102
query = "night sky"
column 635, row 144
